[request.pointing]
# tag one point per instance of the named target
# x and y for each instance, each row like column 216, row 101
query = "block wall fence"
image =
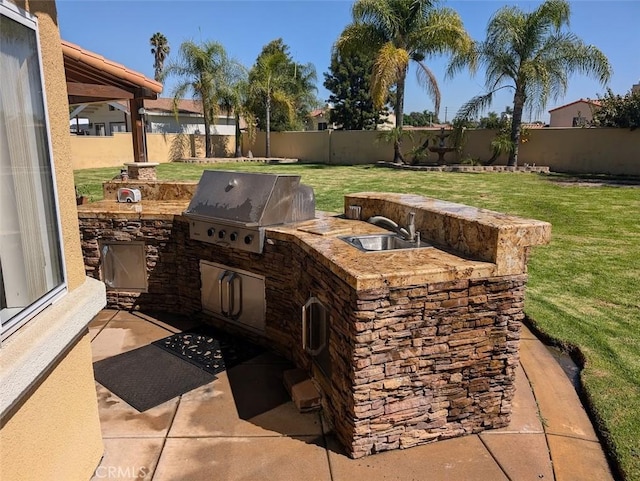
column 575, row 150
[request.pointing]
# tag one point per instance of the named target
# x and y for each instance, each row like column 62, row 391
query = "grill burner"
column 232, row 208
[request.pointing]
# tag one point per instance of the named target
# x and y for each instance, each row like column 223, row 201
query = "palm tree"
column 234, row 100
column 160, row 50
column 396, row 32
column 205, row 71
column 273, row 84
column 529, row 53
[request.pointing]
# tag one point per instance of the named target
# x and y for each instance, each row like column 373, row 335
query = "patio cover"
column 92, row 78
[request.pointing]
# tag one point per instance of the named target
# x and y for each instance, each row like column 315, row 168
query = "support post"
column 137, row 128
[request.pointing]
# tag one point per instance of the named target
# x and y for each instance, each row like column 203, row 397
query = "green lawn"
column 584, row 288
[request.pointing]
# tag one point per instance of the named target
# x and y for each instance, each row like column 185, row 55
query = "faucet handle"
column 354, row 212
column 411, row 225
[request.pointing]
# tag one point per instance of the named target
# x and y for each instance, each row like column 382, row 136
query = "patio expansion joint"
column 495, row 459
column 165, row 437
column 542, row 420
column 568, row 436
column 105, row 325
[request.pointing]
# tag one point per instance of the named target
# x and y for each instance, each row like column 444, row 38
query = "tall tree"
column 397, row 32
column 425, row 118
column 160, row 50
column 300, row 88
column 205, row 73
column 532, row 55
column 234, row 100
column 271, row 84
column 350, row 87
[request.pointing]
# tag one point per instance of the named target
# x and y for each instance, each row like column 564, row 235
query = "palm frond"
column 469, row 58
column 379, row 14
column 441, row 32
column 388, row 66
column 427, row 80
column 474, row 107
column 553, row 13
column 359, row 37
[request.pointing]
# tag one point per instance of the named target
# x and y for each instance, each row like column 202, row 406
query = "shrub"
column 618, row 110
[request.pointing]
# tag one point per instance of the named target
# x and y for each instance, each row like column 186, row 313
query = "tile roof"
column 586, row 101
column 78, row 56
column 162, row 104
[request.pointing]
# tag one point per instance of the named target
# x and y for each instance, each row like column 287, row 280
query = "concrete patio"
column 243, row 426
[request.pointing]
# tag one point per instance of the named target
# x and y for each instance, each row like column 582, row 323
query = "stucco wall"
column 90, row 152
column 563, row 117
column 52, row 430
column 312, row 147
column 610, row 151
column 56, row 433
column 362, row 148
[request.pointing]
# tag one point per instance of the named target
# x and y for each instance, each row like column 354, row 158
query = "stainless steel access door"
column 233, row 295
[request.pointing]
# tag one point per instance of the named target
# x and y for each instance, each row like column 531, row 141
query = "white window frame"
column 27, row 313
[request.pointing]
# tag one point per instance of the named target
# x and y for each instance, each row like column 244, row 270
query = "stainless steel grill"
column 233, row 208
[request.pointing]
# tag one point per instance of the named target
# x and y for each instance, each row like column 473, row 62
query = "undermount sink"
column 382, row 242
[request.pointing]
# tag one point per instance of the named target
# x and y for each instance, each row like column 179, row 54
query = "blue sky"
column 120, row 30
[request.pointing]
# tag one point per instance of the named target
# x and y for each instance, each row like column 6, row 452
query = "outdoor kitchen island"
column 408, row 346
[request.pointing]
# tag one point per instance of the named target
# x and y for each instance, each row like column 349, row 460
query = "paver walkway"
column 243, row 427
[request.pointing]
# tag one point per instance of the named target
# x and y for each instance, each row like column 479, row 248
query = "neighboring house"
column 575, row 114
column 50, row 426
column 635, row 88
column 110, row 117
column 162, row 119
column 319, row 120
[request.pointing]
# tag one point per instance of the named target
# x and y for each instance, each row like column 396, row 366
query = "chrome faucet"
column 409, row 233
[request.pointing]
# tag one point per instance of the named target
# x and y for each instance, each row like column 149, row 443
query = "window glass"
column 31, row 266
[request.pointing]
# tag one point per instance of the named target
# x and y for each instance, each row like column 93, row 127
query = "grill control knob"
column 221, row 234
column 211, row 231
column 234, row 236
column 248, row 239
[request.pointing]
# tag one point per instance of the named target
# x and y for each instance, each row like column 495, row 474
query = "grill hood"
column 250, row 199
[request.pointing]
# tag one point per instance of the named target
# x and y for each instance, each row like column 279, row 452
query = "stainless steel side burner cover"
column 246, row 202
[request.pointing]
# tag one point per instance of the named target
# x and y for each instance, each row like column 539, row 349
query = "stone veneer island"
column 423, row 343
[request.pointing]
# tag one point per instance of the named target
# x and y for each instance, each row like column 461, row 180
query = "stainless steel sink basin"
column 382, row 242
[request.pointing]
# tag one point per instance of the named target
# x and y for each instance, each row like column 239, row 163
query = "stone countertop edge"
column 450, row 209
column 479, row 233
column 146, row 209
column 374, row 270
column 319, row 237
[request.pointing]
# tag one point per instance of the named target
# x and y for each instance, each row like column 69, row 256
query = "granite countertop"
column 468, row 242
column 372, row 270
column 146, row 209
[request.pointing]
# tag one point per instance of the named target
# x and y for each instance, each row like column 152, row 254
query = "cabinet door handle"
column 220, row 297
column 305, row 329
column 234, row 311
column 310, row 344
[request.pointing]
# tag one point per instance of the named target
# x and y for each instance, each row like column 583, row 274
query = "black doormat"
column 209, row 348
column 149, row 376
